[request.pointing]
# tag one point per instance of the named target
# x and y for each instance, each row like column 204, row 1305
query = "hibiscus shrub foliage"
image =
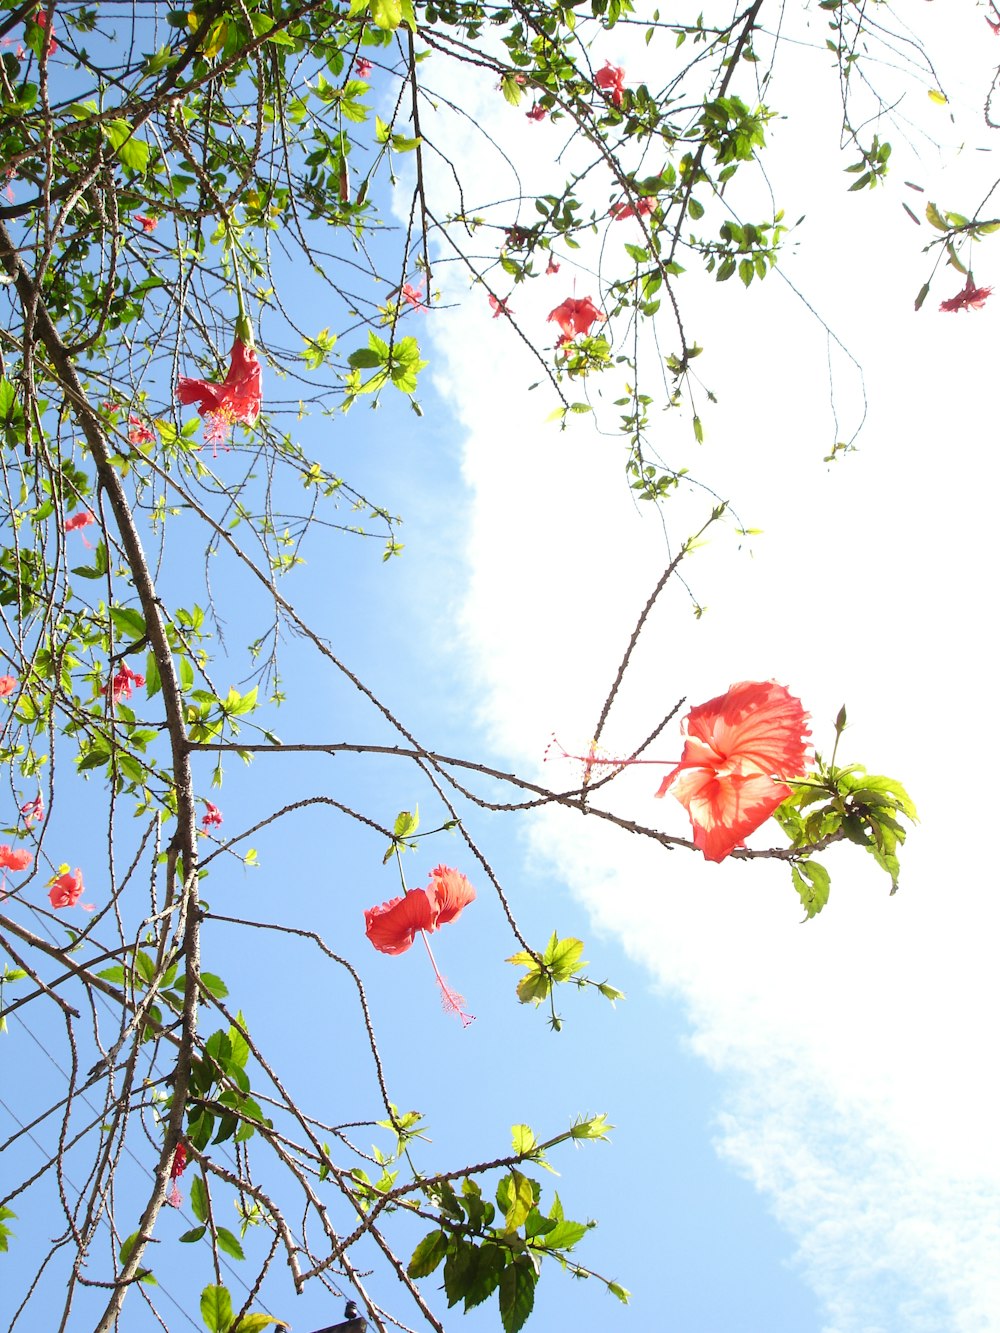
column 222, row 226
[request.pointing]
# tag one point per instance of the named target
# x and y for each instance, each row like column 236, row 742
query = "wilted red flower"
column 364, row 67
column 574, row 317
column 552, row 266
column 121, row 683
column 65, row 889
column 42, row 20
column 499, row 307
column 148, row 225
column 970, row 297
column 14, row 858
column 626, row 209
column 8, row 684
column 176, row 1171
column 138, row 431
column 33, row 810
column 237, row 398
column 212, row 815
column 537, row 112
column 611, row 79
column 391, row 927
column 742, row 749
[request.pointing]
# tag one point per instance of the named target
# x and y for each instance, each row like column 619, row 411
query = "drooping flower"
column 414, row 296
column 574, row 317
column 65, row 889
column 364, row 68
column 970, row 297
column 237, row 398
column 212, row 816
column 138, row 431
column 176, row 1171
column 148, row 225
column 552, row 266
column 8, row 684
column 742, row 749
column 82, row 519
column 391, row 928
column 537, row 112
column 994, row 25
column 14, row 858
column 626, row 209
column 121, row 683
column 499, row 307
column 611, row 80
column 33, row 810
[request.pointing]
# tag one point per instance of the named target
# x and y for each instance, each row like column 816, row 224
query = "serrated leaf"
column 191, row 1236
column 428, row 1254
column 517, row 1294
column 812, row 883
column 199, row 1199
column 228, row 1243
column 217, row 1309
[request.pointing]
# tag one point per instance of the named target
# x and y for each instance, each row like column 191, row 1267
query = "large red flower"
column 237, row 398
column 970, row 297
column 65, row 889
column 741, row 751
column 611, row 80
column 574, row 317
column 391, row 927
column 449, row 891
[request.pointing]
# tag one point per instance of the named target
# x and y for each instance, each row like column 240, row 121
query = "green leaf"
column 217, row 1309
column 563, row 957
column 5, row 1231
column 523, row 1138
column 386, row 14
column 199, row 1199
column 127, row 1246
column 517, row 1294
column 132, row 153
column 812, row 883
column 128, row 622
column 428, row 1254
column 191, row 1236
column 228, row 1243
column 253, row 1323
column 521, row 1200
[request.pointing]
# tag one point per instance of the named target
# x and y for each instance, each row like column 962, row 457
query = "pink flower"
column 148, row 225
column 970, row 297
column 14, row 858
column 626, row 209
column 552, row 266
column 414, row 296
column 8, row 684
column 741, row 751
column 537, row 112
column 121, row 683
column 65, row 889
column 238, row 398
column 391, row 928
column 82, row 519
column 611, row 79
column 499, row 307
column 364, row 68
column 138, row 431
column 33, row 810
column 575, row 317
column 212, row 815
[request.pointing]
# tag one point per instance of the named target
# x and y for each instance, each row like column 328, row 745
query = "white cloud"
column 858, row 1051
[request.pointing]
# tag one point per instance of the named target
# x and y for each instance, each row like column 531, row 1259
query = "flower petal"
column 391, row 927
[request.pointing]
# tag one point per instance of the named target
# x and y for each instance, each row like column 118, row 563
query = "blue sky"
column 804, row 1114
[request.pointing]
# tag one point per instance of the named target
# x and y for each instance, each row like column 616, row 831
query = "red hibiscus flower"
column 176, row 1171
column 138, row 431
column 148, row 225
column 65, row 889
column 83, row 519
column 499, row 307
column 392, row 927
column 43, row 22
column 237, row 398
column 121, row 683
column 537, row 112
column 574, row 317
column 364, row 68
column 8, row 684
column 619, row 212
column 33, row 810
column 414, row 296
column 552, row 266
column 611, row 80
column 741, row 751
column 14, row 858
column 212, row 815
column 970, row 297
